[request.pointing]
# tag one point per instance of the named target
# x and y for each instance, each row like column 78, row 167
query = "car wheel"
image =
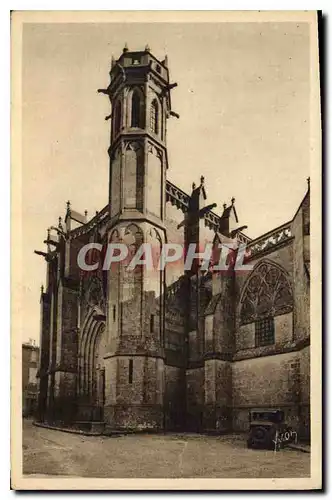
column 260, row 437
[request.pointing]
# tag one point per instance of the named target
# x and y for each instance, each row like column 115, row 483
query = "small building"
column 30, row 359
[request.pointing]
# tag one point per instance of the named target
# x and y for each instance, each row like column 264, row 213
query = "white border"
column 5, row 122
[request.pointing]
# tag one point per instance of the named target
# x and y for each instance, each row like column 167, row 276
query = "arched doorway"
column 91, row 379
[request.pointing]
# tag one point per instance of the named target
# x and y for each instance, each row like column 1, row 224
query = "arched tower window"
column 117, row 118
column 136, row 109
column 154, row 116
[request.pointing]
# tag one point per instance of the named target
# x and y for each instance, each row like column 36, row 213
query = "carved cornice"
column 271, row 240
column 221, row 356
column 177, row 197
column 272, row 350
column 134, row 135
column 253, row 353
column 212, row 221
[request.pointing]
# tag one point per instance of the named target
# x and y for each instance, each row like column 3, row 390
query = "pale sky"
column 243, row 100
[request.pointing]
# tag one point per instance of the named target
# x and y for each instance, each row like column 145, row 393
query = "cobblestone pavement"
column 50, row 452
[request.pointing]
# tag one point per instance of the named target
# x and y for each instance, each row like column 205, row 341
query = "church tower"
column 139, row 92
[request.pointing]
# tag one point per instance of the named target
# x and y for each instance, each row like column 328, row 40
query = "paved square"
column 53, row 452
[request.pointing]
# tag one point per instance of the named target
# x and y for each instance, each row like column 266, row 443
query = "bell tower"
column 139, row 92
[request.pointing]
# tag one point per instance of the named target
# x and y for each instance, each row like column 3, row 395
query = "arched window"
column 154, row 112
column 136, row 109
column 117, row 118
column 267, row 294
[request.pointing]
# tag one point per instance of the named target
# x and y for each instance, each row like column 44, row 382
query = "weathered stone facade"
column 171, row 349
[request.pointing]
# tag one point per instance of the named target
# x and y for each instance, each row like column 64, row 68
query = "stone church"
column 170, row 349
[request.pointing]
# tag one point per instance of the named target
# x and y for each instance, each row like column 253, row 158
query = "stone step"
column 72, row 429
column 110, row 431
column 90, row 426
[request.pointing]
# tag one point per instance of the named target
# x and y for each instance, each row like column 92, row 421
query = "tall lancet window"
column 136, row 109
column 154, row 116
column 117, row 118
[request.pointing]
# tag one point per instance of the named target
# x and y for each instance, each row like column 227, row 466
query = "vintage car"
column 267, row 429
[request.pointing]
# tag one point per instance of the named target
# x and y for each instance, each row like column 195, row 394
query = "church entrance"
column 91, row 386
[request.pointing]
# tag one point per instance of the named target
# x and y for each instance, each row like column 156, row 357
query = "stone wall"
column 195, row 380
column 134, row 392
column 283, row 331
column 174, row 400
column 218, row 396
column 44, row 358
column 174, row 217
column 69, row 323
column 300, row 276
column 304, row 416
column 64, row 404
column 268, row 382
